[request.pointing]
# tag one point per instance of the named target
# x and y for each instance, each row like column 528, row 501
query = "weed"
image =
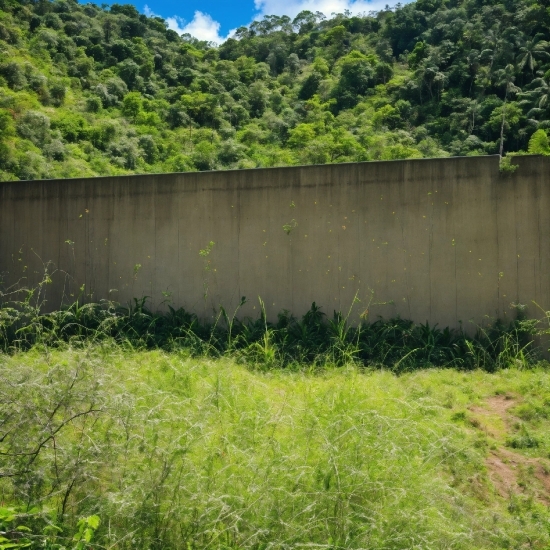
column 176, row 452
column 205, row 253
column 32, row 529
column 506, row 166
column 523, row 440
column 288, row 227
column 313, row 339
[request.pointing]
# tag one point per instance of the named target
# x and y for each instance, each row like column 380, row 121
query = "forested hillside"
column 88, row 90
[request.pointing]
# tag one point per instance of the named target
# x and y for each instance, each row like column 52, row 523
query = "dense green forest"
column 88, row 90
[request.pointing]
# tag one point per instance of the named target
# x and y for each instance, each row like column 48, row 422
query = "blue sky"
column 215, row 19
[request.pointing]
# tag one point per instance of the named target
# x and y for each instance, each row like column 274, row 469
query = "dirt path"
column 510, row 472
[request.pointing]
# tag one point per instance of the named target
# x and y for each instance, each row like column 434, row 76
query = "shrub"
column 180, row 163
column 34, row 126
column 538, row 144
column 55, row 150
column 231, row 151
column 52, row 21
column 124, row 152
column 177, row 116
column 14, row 75
column 204, row 155
column 31, row 166
column 102, row 134
column 131, row 105
column 93, row 104
column 6, row 124
column 107, row 99
column 129, row 72
column 148, row 148
column 57, row 93
column 117, row 87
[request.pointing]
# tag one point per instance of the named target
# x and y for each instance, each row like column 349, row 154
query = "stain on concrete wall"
column 441, row 240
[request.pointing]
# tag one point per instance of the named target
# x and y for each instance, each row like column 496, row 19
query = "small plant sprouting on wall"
column 506, row 166
column 288, row 227
column 204, row 253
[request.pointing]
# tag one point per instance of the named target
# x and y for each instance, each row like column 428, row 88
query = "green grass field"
column 173, row 452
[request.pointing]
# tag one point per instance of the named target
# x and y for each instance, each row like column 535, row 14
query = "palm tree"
column 494, row 43
column 506, row 78
column 530, row 50
column 539, row 97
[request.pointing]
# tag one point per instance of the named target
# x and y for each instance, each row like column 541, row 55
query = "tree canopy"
column 88, row 90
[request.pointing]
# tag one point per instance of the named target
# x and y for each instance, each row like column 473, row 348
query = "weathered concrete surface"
column 444, row 240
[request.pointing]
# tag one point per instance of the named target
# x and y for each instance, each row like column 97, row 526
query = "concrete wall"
column 443, row 240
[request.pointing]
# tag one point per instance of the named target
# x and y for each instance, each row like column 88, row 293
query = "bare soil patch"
column 494, row 408
column 508, row 469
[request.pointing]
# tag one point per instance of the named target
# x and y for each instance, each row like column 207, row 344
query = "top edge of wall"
column 485, row 158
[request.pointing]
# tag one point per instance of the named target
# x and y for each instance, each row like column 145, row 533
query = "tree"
column 34, row 126
column 301, row 136
column 131, row 105
column 306, row 21
column 58, row 91
column 539, row 97
column 129, row 72
column 506, row 78
column 346, row 79
column 356, row 77
column 148, row 148
column 539, row 144
column 204, row 155
column 531, row 50
column 258, row 99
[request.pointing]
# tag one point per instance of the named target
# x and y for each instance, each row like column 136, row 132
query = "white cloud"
column 293, row 7
column 176, row 23
column 202, row 26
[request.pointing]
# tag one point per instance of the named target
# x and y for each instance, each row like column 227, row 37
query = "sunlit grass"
column 209, row 454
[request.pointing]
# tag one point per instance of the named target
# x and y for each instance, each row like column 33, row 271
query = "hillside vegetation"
column 159, row 451
column 88, row 91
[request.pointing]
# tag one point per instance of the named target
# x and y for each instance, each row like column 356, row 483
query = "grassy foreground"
column 172, row 452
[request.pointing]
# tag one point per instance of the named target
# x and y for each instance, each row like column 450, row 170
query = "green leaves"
column 89, row 92
column 14, row 535
column 132, row 104
column 539, row 144
column 86, row 529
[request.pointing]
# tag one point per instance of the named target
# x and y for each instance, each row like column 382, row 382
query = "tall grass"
column 313, row 339
column 177, row 453
column 104, row 444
